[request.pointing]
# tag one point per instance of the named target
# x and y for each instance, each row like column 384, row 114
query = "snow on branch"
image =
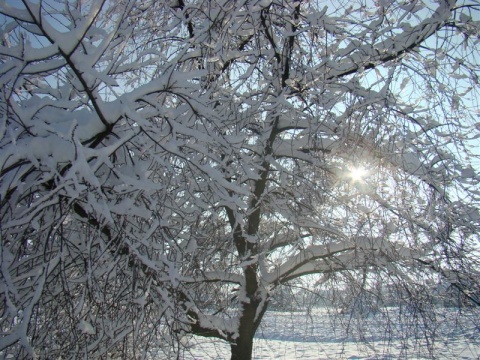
column 369, row 56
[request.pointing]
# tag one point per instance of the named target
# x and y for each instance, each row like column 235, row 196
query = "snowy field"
column 304, row 335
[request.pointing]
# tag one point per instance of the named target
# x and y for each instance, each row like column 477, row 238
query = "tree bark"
column 252, row 314
column 243, row 347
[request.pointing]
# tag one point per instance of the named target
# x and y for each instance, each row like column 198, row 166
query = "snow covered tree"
column 166, row 166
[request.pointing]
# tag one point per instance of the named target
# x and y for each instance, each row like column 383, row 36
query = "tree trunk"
column 243, row 348
column 251, row 317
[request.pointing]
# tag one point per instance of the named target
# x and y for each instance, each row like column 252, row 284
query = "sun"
column 358, row 173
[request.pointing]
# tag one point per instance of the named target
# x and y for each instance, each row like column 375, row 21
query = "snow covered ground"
column 303, row 335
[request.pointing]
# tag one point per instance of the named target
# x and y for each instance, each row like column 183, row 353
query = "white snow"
column 299, row 335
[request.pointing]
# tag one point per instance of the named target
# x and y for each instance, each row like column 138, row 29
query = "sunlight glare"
column 358, row 173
